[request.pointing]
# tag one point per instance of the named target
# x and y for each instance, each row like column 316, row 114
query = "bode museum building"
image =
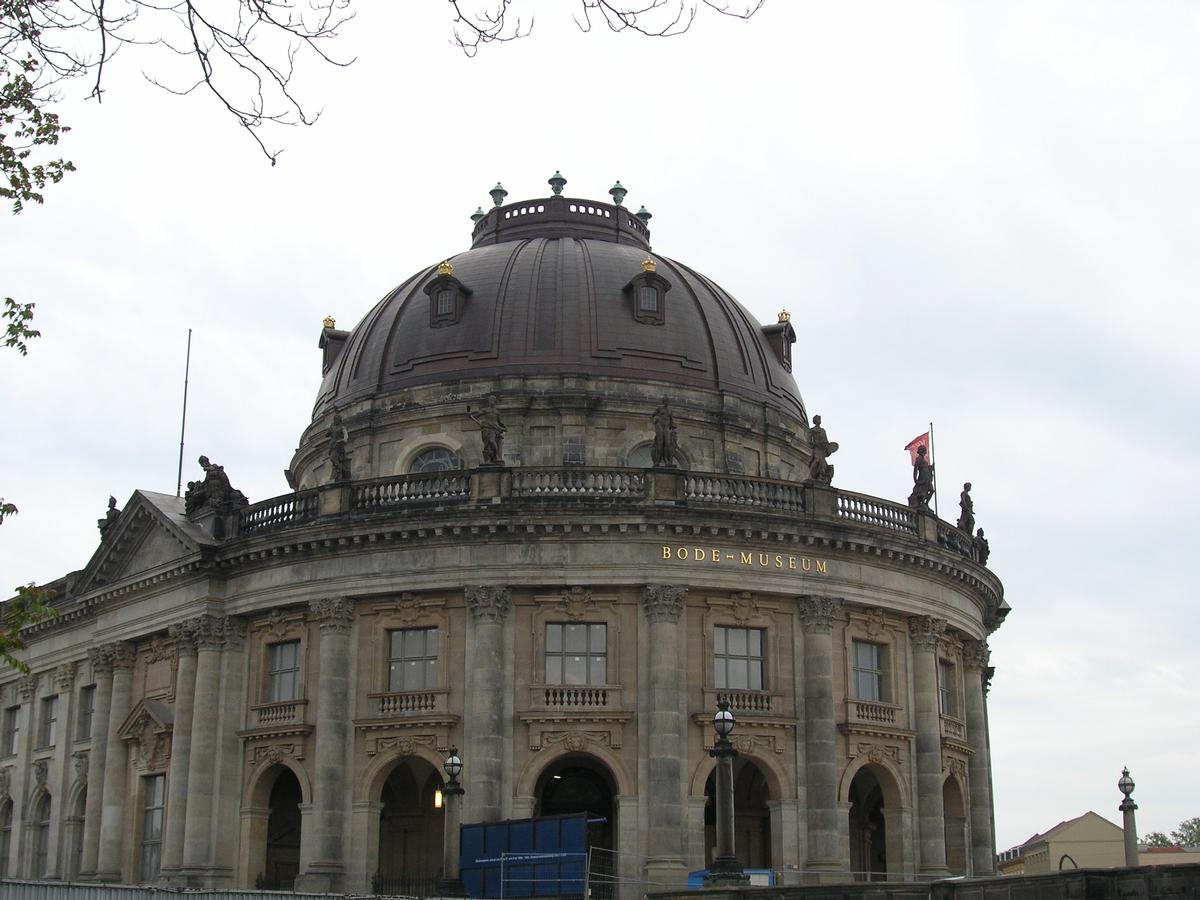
column 559, row 497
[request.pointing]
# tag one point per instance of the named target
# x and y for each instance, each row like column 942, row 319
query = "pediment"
column 147, row 715
column 152, row 533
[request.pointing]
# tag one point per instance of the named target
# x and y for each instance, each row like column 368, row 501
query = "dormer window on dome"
column 447, row 297
column 648, row 292
column 781, row 336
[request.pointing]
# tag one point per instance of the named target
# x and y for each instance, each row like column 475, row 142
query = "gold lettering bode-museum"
column 474, row 554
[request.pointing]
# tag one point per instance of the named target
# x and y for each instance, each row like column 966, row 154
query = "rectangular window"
column 48, row 726
column 946, row 694
column 738, row 653
column 152, row 825
column 868, row 671
column 412, row 659
column 12, row 731
column 87, row 706
column 648, row 300
column 283, row 671
column 445, row 303
column 576, row 653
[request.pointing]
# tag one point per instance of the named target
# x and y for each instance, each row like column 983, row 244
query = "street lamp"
column 725, row 868
column 1127, row 807
column 450, row 884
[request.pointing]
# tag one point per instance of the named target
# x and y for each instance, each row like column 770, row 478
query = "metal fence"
column 63, row 890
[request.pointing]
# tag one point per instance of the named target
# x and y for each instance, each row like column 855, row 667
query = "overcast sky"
column 986, row 216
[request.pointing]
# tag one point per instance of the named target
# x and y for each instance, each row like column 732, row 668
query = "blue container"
column 544, row 857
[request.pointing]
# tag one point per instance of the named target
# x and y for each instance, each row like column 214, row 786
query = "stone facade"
column 264, row 694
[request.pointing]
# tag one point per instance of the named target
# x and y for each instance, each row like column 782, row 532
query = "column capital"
column 333, row 614
column 924, row 632
column 185, row 636
column 64, row 676
column 80, row 758
column 27, row 687
column 664, row 602
column 975, row 655
column 208, row 631
column 488, row 603
column 122, row 654
column 816, row 613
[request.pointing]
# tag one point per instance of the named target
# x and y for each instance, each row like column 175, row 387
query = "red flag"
column 921, row 440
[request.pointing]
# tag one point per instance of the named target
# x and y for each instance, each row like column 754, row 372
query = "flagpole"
column 934, row 467
column 187, row 365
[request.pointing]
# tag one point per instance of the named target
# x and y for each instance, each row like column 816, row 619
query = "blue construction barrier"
column 543, row 857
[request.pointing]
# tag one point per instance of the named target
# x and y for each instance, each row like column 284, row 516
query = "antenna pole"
column 183, row 425
column 935, row 504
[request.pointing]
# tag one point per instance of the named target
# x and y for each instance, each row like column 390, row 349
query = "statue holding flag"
column 922, row 481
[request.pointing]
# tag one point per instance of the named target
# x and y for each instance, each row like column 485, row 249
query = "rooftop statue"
column 966, row 516
column 339, row 460
column 819, row 469
column 491, row 430
column 665, row 451
column 212, row 492
column 982, row 550
column 922, row 490
column 110, row 516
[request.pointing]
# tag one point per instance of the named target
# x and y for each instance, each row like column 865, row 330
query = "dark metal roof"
column 546, row 291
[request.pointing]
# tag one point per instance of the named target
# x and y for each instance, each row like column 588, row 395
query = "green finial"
column 498, row 194
column 557, row 182
column 644, row 215
column 478, row 214
column 618, row 193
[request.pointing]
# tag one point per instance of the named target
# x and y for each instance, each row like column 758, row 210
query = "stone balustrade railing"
column 755, row 492
column 746, row 701
column 399, row 703
column 283, row 712
column 953, row 728
column 880, row 513
column 587, row 697
column 502, row 488
column 403, row 490
column 871, row 712
column 576, row 481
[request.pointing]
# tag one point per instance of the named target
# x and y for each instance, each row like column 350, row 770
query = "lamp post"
column 725, row 868
column 1127, row 807
column 450, row 884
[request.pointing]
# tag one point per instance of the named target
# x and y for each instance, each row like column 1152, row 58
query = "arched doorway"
column 283, row 833
column 751, row 815
column 868, row 829
column 411, row 828
column 39, row 858
column 956, row 826
column 580, row 784
column 74, row 834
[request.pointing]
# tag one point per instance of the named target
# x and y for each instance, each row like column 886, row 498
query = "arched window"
column 434, row 459
column 41, row 836
column 6, row 810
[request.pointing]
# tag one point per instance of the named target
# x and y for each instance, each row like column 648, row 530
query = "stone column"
column 979, row 778
column 327, row 869
column 102, row 671
column 924, row 633
column 820, row 731
column 483, row 751
column 666, row 739
column 116, row 764
column 58, row 854
column 209, row 634
column 185, row 636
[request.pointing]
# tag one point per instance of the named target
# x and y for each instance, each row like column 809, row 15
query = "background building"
column 559, row 496
column 1089, row 841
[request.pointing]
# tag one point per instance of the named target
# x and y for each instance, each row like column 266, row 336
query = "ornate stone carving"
column 955, row 766
column 975, row 655
column 27, row 687
column 573, row 741
column 159, row 650
column 875, row 623
column 123, row 654
column 665, row 450
column 405, row 744
column 877, row 753
column 277, row 625
column 153, row 741
column 333, row 614
column 110, row 515
column 41, row 769
column 486, row 603
column 664, row 602
column 80, row 759
column 744, row 607
column 819, row 470
column 213, row 491
column 925, row 631
column 235, row 632
column 966, row 510
column 491, row 431
column 64, row 676
column 185, row 637
column 408, row 609
column 100, row 659
column 576, row 602
column 210, row 631
column 275, row 753
column 5, row 781
column 816, row 613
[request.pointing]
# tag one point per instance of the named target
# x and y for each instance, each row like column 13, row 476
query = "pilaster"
column 102, row 671
column 983, row 851
column 112, row 817
column 924, row 633
column 489, row 606
column 816, row 615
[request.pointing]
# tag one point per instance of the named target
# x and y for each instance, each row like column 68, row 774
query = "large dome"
column 551, row 286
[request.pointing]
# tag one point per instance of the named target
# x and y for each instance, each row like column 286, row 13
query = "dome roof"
column 552, row 286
